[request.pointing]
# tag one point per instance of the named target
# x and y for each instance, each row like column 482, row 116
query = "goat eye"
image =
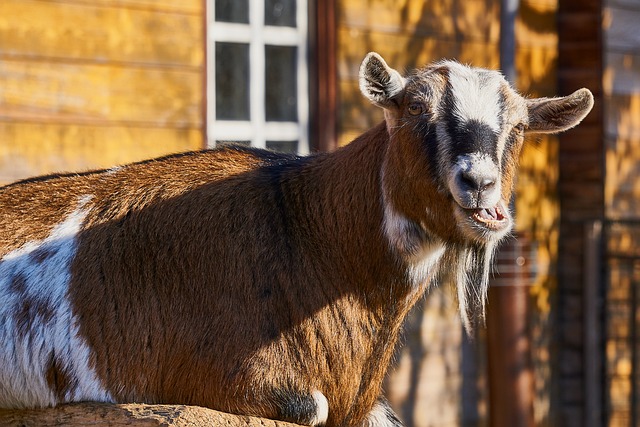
column 519, row 128
column 416, row 108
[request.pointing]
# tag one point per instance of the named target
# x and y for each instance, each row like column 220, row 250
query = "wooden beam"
column 323, row 75
column 140, row 415
column 508, row 342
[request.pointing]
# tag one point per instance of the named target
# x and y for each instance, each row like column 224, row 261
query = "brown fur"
column 227, row 325
column 59, row 379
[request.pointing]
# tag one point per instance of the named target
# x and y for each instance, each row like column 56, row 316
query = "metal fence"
column 620, row 330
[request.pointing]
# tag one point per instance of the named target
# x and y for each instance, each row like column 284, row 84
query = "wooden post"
column 323, row 75
column 509, row 358
column 592, row 324
column 508, row 12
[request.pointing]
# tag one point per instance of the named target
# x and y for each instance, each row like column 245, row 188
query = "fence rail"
column 612, row 323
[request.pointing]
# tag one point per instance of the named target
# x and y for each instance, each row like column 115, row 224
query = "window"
column 257, row 88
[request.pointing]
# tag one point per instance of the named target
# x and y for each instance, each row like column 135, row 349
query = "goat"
column 258, row 283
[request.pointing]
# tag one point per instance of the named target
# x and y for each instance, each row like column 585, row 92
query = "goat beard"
column 471, row 265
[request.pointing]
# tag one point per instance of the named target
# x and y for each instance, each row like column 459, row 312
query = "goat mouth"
column 493, row 218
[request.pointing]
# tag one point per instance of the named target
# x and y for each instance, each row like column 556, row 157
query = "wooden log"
column 142, row 415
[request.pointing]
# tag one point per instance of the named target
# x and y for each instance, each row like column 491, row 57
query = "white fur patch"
column 322, row 408
column 381, row 416
column 114, row 170
column 421, row 257
column 423, row 266
column 39, row 338
column 476, row 95
column 395, row 228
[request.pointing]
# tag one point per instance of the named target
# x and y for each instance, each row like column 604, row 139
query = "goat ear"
column 551, row 115
column 380, row 83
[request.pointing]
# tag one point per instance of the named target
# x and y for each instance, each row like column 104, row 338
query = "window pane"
column 232, row 11
column 232, row 81
column 224, row 143
column 281, row 83
column 280, row 12
column 283, row 146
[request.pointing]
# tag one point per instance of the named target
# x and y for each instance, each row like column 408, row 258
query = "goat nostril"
column 468, row 181
column 476, row 183
column 486, row 184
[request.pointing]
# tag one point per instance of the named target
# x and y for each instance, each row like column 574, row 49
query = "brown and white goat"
column 258, row 283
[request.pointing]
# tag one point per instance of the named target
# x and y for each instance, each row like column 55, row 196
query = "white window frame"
column 257, row 130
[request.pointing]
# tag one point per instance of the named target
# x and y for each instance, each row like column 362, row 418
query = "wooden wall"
column 408, row 34
column 90, row 84
column 621, row 81
column 621, row 88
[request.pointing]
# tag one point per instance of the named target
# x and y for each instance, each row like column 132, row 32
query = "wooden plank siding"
column 92, row 84
column 30, row 148
column 622, row 108
column 621, row 122
column 408, row 34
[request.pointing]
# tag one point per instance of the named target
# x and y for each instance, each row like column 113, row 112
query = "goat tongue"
column 489, row 214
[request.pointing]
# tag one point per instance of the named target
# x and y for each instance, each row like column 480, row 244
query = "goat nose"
column 477, row 182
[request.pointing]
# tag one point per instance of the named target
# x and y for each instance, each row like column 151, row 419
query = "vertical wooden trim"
column 511, row 392
column 511, row 384
column 323, row 85
column 508, row 14
column 205, row 69
column 592, row 320
column 581, row 194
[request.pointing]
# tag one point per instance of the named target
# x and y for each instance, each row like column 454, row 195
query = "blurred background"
column 90, row 84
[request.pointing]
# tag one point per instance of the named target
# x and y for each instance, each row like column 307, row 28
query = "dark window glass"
column 283, row 146
column 232, row 81
column 223, row 143
column 280, row 12
column 281, row 83
column 232, row 11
